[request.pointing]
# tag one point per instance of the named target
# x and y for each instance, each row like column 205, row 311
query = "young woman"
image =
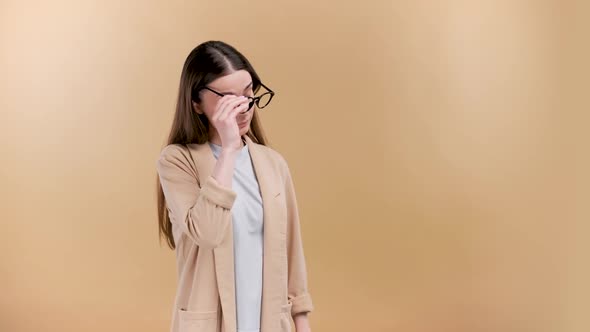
column 227, row 205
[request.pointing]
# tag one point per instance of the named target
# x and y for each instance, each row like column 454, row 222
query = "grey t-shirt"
column 248, row 241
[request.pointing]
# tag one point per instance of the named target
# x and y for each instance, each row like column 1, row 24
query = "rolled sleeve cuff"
column 301, row 303
column 218, row 194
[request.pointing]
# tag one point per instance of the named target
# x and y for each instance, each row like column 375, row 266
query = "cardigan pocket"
column 285, row 317
column 197, row 321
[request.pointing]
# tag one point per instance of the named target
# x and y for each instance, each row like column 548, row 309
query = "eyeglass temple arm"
column 267, row 88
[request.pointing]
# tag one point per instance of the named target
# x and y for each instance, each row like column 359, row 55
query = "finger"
column 231, row 107
column 230, row 116
column 221, row 106
column 239, row 109
column 227, row 104
column 248, row 107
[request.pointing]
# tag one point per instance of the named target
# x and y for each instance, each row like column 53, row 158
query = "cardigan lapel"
column 269, row 183
column 273, row 259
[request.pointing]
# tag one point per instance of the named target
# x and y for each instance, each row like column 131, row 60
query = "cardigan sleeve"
column 202, row 213
column 298, row 292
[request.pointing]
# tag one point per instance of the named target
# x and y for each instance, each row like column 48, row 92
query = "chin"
column 244, row 130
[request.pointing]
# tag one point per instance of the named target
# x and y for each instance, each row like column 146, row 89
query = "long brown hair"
column 205, row 63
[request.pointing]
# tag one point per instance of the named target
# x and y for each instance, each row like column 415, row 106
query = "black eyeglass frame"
column 254, row 100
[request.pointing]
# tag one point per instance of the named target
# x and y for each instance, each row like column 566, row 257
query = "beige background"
column 439, row 151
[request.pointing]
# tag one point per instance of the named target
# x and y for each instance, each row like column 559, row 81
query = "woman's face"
column 238, row 83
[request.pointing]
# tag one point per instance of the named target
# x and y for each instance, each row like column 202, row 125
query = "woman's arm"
column 223, row 171
column 301, row 322
column 203, row 214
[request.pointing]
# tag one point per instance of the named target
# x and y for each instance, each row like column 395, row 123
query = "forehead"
column 234, row 82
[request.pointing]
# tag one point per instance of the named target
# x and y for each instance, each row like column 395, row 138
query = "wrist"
column 233, row 148
column 228, row 151
column 301, row 318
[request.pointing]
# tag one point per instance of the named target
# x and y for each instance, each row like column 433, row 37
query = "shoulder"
column 277, row 159
column 275, row 156
column 172, row 151
column 173, row 154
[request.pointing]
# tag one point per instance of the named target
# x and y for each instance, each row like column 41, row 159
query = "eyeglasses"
column 261, row 101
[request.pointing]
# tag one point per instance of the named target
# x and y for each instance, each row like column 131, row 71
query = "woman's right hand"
column 224, row 120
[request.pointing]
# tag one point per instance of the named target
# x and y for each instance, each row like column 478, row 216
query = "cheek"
column 208, row 106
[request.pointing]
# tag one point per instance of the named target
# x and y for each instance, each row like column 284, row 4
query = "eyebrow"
column 229, row 92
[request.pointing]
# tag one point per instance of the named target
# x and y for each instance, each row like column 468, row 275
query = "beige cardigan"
column 200, row 212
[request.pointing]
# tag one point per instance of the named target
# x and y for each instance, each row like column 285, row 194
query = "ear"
column 197, row 108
